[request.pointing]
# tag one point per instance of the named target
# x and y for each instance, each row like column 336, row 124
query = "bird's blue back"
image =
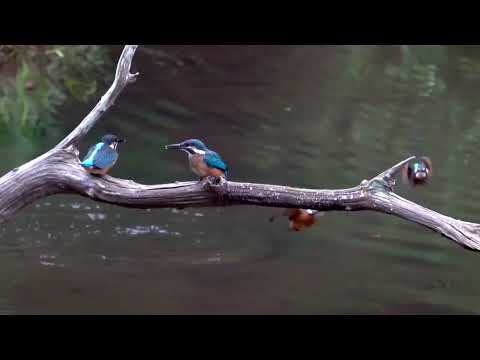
column 419, row 166
column 100, row 156
column 212, row 159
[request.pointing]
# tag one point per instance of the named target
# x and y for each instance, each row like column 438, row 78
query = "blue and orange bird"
column 203, row 161
column 418, row 171
column 299, row 219
column 102, row 156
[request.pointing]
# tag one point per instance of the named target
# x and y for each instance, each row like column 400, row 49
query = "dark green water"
column 310, row 116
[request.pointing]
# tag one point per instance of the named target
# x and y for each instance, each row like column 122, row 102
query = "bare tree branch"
column 59, row 171
column 122, row 78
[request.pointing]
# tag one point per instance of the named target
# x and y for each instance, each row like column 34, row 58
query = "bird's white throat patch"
column 197, row 151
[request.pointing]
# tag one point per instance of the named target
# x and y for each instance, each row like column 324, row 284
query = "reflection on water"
column 314, row 116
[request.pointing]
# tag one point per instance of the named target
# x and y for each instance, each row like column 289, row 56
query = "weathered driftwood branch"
column 59, row 171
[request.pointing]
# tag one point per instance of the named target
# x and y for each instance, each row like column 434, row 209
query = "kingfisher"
column 203, row 161
column 418, row 171
column 102, row 156
column 300, row 218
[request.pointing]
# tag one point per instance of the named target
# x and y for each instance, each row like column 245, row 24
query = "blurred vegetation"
column 38, row 79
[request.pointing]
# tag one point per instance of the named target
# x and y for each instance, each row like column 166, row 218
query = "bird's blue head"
column 419, row 170
column 112, row 140
column 191, row 146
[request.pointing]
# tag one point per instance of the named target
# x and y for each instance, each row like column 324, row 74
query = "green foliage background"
column 38, row 80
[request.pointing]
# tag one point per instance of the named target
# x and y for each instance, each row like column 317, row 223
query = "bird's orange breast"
column 300, row 219
column 215, row 172
column 97, row 171
column 199, row 167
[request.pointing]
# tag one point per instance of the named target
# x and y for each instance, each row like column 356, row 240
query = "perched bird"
column 203, row 162
column 300, row 218
column 418, row 171
column 102, row 156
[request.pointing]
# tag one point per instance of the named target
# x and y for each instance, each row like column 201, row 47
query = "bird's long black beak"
column 122, row 141
column 174, row 147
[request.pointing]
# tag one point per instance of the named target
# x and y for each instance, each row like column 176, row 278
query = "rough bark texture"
column 59, row 171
